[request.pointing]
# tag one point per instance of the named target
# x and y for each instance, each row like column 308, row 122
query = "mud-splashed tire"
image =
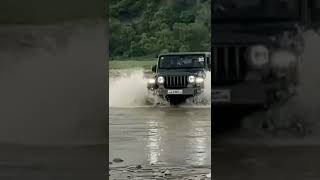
column 175, row 102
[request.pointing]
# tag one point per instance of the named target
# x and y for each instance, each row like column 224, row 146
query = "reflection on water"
column 154, row 138
column 174, row 136
column 198, row 143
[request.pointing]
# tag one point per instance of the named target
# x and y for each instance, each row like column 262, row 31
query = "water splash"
column 207, row 87
column 128, row 88
column 52, row 83
column 300, row 114
column 204, row 98
column 309, row 78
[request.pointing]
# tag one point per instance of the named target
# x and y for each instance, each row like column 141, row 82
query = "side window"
column 187, row 61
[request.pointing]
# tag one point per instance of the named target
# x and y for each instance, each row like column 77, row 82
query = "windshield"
column 181, row 61
column 253, row 9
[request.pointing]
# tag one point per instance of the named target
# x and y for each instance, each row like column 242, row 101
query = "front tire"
column 176, row 100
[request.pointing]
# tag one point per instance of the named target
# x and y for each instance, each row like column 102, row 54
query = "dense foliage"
column 148, row 27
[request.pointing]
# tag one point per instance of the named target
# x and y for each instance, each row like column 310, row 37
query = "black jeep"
column 179, row 76
column 256, row 50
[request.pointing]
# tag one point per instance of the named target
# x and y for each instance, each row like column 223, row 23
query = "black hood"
column 185, row 71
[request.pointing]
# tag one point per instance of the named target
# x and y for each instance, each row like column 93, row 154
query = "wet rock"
column 167, row 173
column 117, row 160
column 138, row 178
column 159, row 172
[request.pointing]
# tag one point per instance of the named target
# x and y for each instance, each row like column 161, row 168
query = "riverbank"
column 144, row 63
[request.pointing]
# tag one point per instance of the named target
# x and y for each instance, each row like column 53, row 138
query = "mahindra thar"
column 256, row 49
column 179, row 76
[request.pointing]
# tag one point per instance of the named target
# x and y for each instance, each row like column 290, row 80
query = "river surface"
column 177, row 139
column 257, row 153
column 40, row 162
column 252, row 162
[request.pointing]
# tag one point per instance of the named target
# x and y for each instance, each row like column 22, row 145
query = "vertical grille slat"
column 175, row 81
column 237, row 54
column 226, row 62
column 229, row 63
column 178, row 81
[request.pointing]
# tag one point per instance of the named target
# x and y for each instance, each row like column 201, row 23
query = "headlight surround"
column 151, row 81
column 199, row 80
column 191, row 79
column 160, row 79
column 258, row 56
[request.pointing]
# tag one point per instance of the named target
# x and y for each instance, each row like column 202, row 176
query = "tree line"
column 146, row 28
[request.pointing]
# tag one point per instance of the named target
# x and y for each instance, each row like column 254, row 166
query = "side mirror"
column 154, row 68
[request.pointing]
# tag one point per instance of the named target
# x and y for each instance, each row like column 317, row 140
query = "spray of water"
column 207, row 87
column 128, row 88
column 52, row 83
column 203, row 99
column 309, row 88
column 300, row 114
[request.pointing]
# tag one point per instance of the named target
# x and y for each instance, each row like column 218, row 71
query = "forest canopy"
column 148, row 27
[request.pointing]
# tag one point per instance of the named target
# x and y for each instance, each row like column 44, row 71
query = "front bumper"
column 189, row 91
column 245, row 94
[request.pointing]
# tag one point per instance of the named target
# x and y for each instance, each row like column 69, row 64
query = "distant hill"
column 49, row 11
column 148, row 27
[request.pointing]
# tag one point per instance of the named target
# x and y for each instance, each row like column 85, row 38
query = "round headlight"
column 160, row 80
column 151, row 81
column 199, row 80
column 191, row 79
column 258, row 56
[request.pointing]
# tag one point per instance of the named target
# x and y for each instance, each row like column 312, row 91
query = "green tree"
column 146, row 28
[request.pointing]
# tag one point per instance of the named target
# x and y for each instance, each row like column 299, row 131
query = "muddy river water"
column 149, row 141
column 172, row 139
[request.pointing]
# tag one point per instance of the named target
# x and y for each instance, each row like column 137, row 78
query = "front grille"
column 172, row 81
column 229, row 63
